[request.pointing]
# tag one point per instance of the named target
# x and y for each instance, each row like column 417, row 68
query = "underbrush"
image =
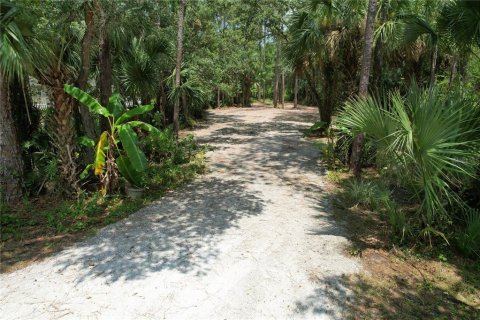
column 404, row 278
column 38, row 226
column 397, row 208
column 426, row 141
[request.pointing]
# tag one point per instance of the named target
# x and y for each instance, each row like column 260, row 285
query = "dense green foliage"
column 428, row 140
column 421, row 121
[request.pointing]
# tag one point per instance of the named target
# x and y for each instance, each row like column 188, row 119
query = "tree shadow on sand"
column 180, row 232
column 365, row 299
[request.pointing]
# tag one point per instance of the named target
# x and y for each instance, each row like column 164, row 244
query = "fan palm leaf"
column 460, row 20
column 431, row 138
column 15, row 52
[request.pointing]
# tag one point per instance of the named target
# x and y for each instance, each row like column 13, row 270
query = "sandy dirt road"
column 251, row 239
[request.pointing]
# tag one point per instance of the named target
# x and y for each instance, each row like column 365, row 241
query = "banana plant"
column 117, row 149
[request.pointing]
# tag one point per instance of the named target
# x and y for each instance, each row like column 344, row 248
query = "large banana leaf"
column 134, row 112
column 115, row 105
column 87, row 100
column 145, row 126
column 128, row 172
column 99, row 162
column 129, row 140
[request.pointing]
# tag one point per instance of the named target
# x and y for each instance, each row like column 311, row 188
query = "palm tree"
column 364, row 77
column 428, row 139
column 15, row 61
column 416, row 27
column 323, row 45
column 139, row 68
column 367, row 48
column 461, row 21
column 412, row 32
column 57, row 50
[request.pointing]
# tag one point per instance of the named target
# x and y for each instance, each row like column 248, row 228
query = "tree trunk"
column 260, row 53
column 186, row 112
column 247, row 91
column 453, row 71
column 295, row 91
column 86, row 116
column 355, row 164
column 329, row 91
column 313, row 90
column 264, row 28
column 462, row 65
column 105, row 65
column 161, row 102
column 178, row 64
column 64, row 136
column 276, row 76
column 378, row 53
column 25, row 115
column 367, row 49
column 433, row 66
column 282, row 97
column 10, row 153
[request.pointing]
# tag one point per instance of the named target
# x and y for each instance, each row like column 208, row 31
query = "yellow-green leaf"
column 99, row 163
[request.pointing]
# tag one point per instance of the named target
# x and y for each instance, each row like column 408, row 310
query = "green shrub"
column 175, row 162
column 366, row 194
column 398, row 222
column 10, row 224
column 317, row 128
column 468, row 239
column 428, row 139
column 73, row 215
column 160, row 146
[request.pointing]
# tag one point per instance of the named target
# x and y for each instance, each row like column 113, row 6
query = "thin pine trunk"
column 264, row 61
column 178, row 64
column 87, row 119
column 378, row 52
column 453, row 71
column 276, row 76
column 105, row 65
column 433, row 66
column 160, row 103
column 186, row 112
column 248, row 91
column 260, row 53
column 282, row 97
column 295, row 92
column 355, row 164
column 314, row 93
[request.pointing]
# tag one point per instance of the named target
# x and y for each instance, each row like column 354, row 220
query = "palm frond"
column 460, row 20
column 15, row 52
column 431, row 137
